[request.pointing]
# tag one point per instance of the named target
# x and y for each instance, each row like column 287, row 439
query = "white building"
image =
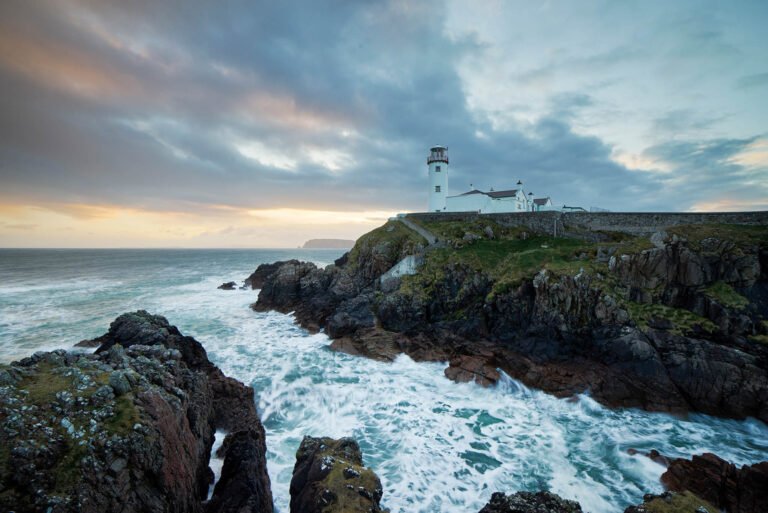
column 491, row 202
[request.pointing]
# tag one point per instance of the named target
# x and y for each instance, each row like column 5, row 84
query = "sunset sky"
column 247, row 124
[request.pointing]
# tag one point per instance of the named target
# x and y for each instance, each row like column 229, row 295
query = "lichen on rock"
column 129, row 428
column 329, row 477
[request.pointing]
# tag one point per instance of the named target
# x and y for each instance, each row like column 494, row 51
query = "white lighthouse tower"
column 438, row 177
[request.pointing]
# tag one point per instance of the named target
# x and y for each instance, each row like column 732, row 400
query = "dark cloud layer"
column 156, row 104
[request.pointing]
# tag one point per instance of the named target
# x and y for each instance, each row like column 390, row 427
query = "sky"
column 264, row 124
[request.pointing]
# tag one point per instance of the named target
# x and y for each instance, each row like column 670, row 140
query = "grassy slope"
column 397, row 238
column 513, row 256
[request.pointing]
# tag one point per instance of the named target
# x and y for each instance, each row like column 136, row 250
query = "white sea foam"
column 436, row 445
column 216, row 463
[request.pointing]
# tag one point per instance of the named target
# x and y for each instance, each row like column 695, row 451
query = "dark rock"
column 264, row 271
column 329, row 477
column 139, row 443
column 119, row 382
column 88, row 343
column 243, row 485
column 736, row 490
column 653, row 455
column 529, row 502
column 562, row 333
column 464, row 368
column 230, row 285
column 672, row 502
column 342, row 260
column 350, row 316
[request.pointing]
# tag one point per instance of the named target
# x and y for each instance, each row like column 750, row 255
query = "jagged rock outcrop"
column 340, row 296
column 262, row 272
column 129, row 428
column 329, row 477
column 676, row 327
column 529, row 502
column 736, row 490
column 230, row 285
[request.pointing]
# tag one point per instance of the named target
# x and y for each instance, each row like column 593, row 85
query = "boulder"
column 258, row 277
column 329, row 477
column 230, row 285
column 529, row 502
column 465, row 368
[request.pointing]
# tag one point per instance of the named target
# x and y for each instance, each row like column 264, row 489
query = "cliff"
column 675, row 321
column 129, row 428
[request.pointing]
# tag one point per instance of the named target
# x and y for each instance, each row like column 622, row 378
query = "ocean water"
column 436, row 445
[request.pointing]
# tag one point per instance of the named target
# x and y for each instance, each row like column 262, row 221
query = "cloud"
column 683, row 121
column 186, row 107
column 756, row 80
column 20, row 226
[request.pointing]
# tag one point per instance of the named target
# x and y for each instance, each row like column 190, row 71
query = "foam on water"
column 437, row 445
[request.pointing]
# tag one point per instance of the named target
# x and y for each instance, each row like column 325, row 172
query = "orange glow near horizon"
column 100, row 226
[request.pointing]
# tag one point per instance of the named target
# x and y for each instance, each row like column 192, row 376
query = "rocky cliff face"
column 736, row 490
column 674, row 323
column 129, row 428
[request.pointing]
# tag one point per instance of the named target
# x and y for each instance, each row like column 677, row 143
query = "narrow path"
column 431, row 238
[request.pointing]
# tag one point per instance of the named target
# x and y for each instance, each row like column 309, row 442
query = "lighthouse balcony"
column 437, row 158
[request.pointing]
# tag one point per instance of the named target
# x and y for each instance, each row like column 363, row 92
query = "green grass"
column 43, row 385
column 454, row 231
column 398, row 239
column 126, row 415
column 726, row 296
column 740, row 235
column 506, row 262
column 682, row 320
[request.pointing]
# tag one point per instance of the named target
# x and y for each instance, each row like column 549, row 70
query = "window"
column 437, row 169
column 437, row 188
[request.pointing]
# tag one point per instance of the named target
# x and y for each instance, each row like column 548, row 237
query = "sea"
column 435, row 444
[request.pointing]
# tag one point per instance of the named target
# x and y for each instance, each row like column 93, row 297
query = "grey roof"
column 502, row 194
column 541, row 201
column 473, row 191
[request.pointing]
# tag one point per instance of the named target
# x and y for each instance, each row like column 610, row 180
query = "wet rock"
column 128, row 428
column 329, row 477
column 230, row 285
column 529, row 502
column 653, row 455
column 264, row 271
column 88, row 343
column 243, row 485
column 736, row 490
column 465, row 368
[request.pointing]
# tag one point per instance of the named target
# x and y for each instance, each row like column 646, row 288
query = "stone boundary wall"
column 571, row 223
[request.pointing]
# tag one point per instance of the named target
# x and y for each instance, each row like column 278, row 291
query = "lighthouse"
column 437, row 162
